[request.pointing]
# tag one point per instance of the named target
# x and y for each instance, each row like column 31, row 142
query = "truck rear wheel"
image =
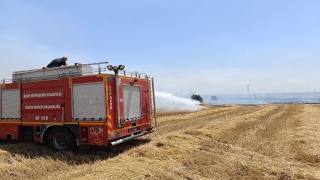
column 61, row 139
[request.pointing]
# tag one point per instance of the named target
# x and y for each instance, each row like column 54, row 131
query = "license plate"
column 133, row 129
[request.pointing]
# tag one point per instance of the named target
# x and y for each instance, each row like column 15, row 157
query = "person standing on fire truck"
column 58, row 62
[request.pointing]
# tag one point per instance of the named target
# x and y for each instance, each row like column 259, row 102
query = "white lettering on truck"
column 43, row 118
column 54, row 106
column 110, row 98
column 40, row 95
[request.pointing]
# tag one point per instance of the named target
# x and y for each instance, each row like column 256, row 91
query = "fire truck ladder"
column 76, row 70
column 152, row 104
column 151, row 94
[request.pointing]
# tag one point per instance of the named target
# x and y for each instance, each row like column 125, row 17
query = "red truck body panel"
column 85, row 105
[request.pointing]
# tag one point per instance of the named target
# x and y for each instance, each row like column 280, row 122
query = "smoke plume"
column 168, row 102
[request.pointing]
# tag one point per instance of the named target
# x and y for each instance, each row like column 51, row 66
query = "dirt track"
column 249, row 142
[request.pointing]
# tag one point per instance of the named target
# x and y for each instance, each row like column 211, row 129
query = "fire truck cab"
column 67, row 107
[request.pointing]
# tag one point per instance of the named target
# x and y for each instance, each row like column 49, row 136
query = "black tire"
column 61, row 139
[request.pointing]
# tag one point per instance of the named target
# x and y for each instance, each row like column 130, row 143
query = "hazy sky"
column 206, row 46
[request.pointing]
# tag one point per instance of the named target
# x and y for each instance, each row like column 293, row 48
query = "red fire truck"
column 71, row 106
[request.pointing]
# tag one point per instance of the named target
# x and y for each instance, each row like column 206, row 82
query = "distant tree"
column 197, row 97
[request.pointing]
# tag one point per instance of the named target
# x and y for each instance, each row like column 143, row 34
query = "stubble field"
column 240, row 142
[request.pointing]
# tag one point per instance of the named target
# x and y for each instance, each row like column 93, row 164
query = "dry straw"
column 250, row 142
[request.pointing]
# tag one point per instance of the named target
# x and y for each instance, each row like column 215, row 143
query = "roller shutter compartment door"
column 89, row 102
column 0, row 103
column 132, row 102
column 10, row 104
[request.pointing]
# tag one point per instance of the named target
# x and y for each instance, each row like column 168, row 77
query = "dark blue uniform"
column 56, row 63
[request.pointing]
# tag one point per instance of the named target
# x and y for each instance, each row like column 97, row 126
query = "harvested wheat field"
column 239, row 142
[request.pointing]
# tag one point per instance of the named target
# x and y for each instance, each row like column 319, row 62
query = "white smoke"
column 168, row 102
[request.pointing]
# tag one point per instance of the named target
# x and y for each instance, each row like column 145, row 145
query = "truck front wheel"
column 61, row 139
